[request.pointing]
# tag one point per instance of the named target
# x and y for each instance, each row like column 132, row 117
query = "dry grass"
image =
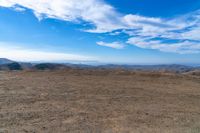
column 80, row 101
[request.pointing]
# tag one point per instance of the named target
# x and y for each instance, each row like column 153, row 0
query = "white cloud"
column 181, row 32
column 104, row 18
column 6, row 3
column 19, row 9
column 20, row 54
column 115, row 45
column 101, row 15
column 192, row 34
column 184, row 47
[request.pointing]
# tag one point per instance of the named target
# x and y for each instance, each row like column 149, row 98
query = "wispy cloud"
column 115, row 45
column 183, row 36
column 19, row 9
column 96, row 12
column 183, row 47
column 21, row 54
column 143, row 32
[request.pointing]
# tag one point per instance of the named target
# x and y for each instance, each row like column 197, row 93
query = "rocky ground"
column 80, row 101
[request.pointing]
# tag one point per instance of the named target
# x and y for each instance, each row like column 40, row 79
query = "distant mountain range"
column 6, row 64
column 5, row 61
column 172, row 67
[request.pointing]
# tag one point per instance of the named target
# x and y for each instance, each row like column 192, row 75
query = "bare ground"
column 98, row 102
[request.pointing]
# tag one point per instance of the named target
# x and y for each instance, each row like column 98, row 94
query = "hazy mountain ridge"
column 5, row 61
column 172, row 67
column 6, row 64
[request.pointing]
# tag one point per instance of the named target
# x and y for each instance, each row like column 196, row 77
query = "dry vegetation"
column 99, row 101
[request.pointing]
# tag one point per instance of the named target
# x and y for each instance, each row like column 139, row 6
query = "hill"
column 5, row 61
column 49, row 66
column 170, row 68
column 6, row 64
column 11, row 66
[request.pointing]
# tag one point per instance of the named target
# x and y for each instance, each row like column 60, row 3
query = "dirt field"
column 98, row 102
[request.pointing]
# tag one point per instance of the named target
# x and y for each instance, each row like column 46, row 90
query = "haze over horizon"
column 102, row 31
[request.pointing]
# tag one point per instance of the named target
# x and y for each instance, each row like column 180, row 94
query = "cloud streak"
column 183, row 47
column 115, row 45
column 143, row 32
column 96, row 12
column 21, row 54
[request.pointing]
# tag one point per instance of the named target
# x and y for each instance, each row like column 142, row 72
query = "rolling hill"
column 5, row 61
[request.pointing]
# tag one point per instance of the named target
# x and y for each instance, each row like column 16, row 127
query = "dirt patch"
column 81, row 101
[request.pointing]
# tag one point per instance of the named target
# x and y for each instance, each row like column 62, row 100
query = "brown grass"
column 101, row 101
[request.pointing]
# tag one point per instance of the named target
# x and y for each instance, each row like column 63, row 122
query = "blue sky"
column 97, row 31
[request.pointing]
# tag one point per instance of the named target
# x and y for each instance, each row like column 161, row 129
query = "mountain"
column 11, row 66
column 6, row 64
column 14, row 66
column 172, row 68
column 49, row 66
column 5, row 61
column 195, row 72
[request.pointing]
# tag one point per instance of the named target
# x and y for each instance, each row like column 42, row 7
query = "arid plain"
column 99, row 101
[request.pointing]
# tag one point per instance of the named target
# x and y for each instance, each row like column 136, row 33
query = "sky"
column 101, row 31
